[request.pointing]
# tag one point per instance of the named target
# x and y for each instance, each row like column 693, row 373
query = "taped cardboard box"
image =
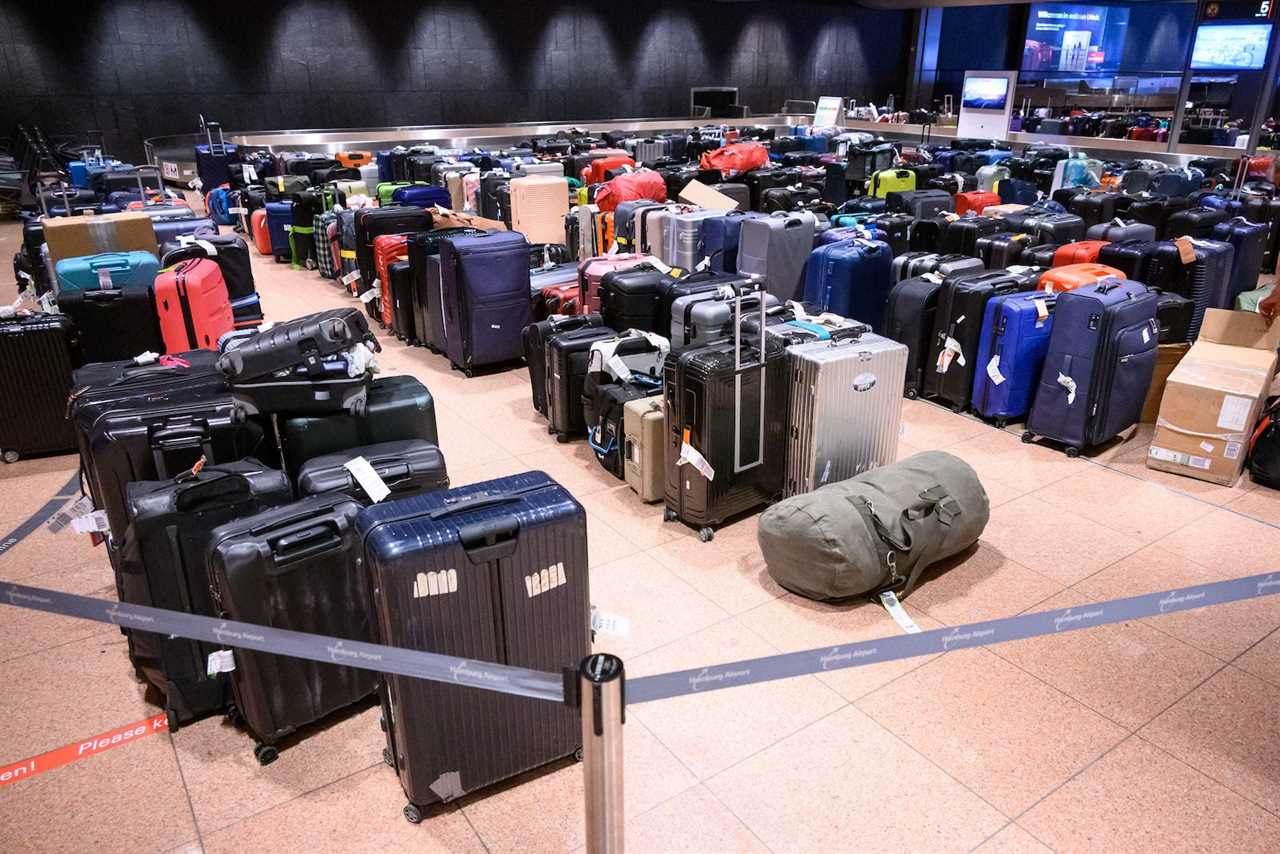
column 1212, row 398
column 1167, row 358
column 78, row 236
column 697, row 193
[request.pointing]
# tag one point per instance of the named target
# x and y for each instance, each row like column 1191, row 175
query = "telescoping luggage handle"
column 220, row 147
column 739, row 369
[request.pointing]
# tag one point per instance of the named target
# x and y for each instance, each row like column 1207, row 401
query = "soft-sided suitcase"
column 113, row 324
column 1071, row 276
column 192, row 305
column 294, row 567
column 106, row 270
column 485, row 282
column 161, row 564
column 1119, row 231
column 406, row 467
column 604, row 408
column 1079, row 252
column 957, row 331
column 910, row 315
column 279, row 221
column 643, row 428
column 538, row 207
column 1250, row 242
column 1014, row 341
column 846, row 408
column 302, row 341
column 424, row 265
column 534, row 339
column 776, row 248
column 37, row 353
column 494, row 572
column 852, row 279
column 727, row 406
column 1102, row 355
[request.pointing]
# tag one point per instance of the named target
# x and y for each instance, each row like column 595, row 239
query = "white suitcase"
column 369, row 174
column 989, row 175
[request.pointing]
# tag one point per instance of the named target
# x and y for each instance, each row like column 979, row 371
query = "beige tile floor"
column 1160, row 734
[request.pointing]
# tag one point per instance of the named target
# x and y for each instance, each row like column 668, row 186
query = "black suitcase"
column 493, row 572
column 1155, row 210
column 631, row 299
column 293, row 567
column 304, row 341
column 1173, row 315
column 728, row 402
column 957, row 332
column 1040, row 255
column 760, row 180
column 487, row 195
column 952, row 182
column 114, row 323
column 896, row 228
column 909, row 319
column 835, row 188
column 374, row 222
column 397, row 408
column 920, row 204
column 1094, row 208
column 604, row 415
column 1058, row 228
column 1194, row 222
column 1129, row 257
column 534, row 338
column 330, row 384
column 671, row 289
column 1200, row 281
column 161, row 563
column 407, row 467
column 927, row 234
column 37, row 353
column 962, row 234
column 1002, row 249
column 567, row 354
column 403, row 301
column 428, row 316
column 788, row 198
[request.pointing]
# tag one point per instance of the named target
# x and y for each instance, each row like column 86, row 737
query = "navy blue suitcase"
column 720, row 239
column 1250, row 242
column 1102, row 355
column 1202, row 281
column 485, row 284
column 852, row 279
column 496, row 571
column 1015, row 340
column 279, row 222
column 169, row 230
column 1015, row 191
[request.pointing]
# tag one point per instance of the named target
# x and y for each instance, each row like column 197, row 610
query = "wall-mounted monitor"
column 1071, row 37
column 985, row 93
column 1230, row 46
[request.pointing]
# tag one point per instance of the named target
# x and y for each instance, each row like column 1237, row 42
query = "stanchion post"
column 602, row 703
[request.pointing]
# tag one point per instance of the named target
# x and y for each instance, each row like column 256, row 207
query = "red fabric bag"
column 629, row 187
column 736, row 158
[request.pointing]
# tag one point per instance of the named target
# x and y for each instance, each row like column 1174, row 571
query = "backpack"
column 1264, row 447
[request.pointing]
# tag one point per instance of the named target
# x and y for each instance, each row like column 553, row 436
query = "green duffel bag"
column 1248, row 300
column 877, row 531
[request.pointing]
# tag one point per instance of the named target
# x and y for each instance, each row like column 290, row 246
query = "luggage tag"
column 1186, row 250
column 993, row 370
column 1070, row 385
column 689, row 456
column 91, row 523
column 280, row 183
column 951, row 352
column 220, row 661
column 250, row 174
column 610, row 624
column 889, row 600
column 60, row 520
column 370, row 481
column 373, row 293
column 1042, row 311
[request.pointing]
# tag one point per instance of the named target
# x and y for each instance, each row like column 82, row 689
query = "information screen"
column 1068, row 37
column 829, row 112
column 1225, row 46
column 985, row 93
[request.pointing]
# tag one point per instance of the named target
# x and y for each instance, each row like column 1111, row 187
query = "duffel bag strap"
column 934, row 501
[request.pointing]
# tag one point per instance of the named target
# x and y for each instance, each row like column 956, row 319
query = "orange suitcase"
column 353, row 159
column 193, row 306
column 975, row 201
column 258, row 227
column 1080, row 252
column 386, row 249
column 595, row 173
column 1072, row 276
column 558, row 299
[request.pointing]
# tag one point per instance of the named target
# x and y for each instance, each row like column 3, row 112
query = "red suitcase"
column 388, row 248
column 193, row 306
column 975, row 201
column 258, row 227
column 558, row 299
column 1080, row 252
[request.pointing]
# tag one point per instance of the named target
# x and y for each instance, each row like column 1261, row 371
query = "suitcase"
column 605, row 408
column 538, row 206
column 534, row 338
column 792, row 198
column 1001, row 249
column 705, row 316
column 106, row 270
column 1119, row 231
column 260, row 231
column 625, row 220
column 851, row 279
column 1071, row 276
column 683, row 240
column 279, row 221
column 957, row 332
column 37, row 352
column 371, row 223
column 228, row 251
column 407, row 467
column 1204, row 281
column 1129, row 257
column 1057, row 228
column 643, row 427
column 1250, row 243
column 246, row 312
column 1173, row 315
column 424, row 266
column 192, row 306
column 1095, row 208
column 567, row 354
column 1040, row 255
column 1080, row 252
column 1099, row 366
column 114, row 324
column 1155, row 210
column 630, row 298
column 975, row 200
column 726, row 426
column 403, row 301
column 307, row 205
column 592, row 270
column 521, row 599
column 302, row 341
column 161, row 564
column 846, row 409
column 1010, row 356
column 894, row 229
column 1016, row 191
column 776, row 248
column 914, row 263
column 720, row 237
column 294, row 567
column 421, row 196
column 387, row 249
column 921, row 204
column 886, row 181
column 961, row 235
column 740, row 193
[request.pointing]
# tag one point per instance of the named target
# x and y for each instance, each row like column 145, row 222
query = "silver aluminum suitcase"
column 740, row 193
column 522, row 170
column 440, row 172
column 657, row 231
column 369, row 174
column 683, row 242
column 648, row 228
column 700, row 318
column 776, row 248
column 648, row 150
column 846, row 409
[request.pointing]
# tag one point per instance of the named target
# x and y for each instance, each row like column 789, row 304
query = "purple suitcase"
column 485, row 281
column 1250, row 242
column 422, row 196
column 1102, row 355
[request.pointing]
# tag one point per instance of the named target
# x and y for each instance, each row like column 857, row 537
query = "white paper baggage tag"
column 689, row 456
column 196, row 184
column 91, row 523
column 221, row 661
column 209, row 248
column 371, row 294
column 47, row 303
column 238, row 211
column 1146, row 335
column 610, row 624
column 353, row 276
column 64, row 517
column 618, row 368
column 703, row 264
column 951, row 352
column 146, row 357
column 993, row 370
column 370, row 481
column 613, row 248
column 659, row 266
column 889, row 600
column 1070, row 385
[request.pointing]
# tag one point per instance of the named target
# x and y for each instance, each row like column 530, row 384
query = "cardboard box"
column 77, row 236
column 697, row 193
column 1213, row 397
column 1167, row 358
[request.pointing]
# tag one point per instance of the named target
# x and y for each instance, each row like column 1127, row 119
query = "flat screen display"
column 1224, row 46
column 985, row 93
column 1070, row 37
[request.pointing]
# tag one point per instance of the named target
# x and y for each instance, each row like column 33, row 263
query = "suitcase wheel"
column 577, row 754
column 10, row 456
column 233, row 717
column 1027, row 437
column 669, row 515
column 912, row 394
column 562, row 438
column 387, row 757
column 1073, row 452
column 412, row 813
column 706, row 535
column 171, row 719
column 265, row 754
column 1001, row 423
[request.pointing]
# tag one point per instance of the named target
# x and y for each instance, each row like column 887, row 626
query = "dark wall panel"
column 139, row 68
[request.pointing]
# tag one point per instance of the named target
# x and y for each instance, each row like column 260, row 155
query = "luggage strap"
column 933, row 501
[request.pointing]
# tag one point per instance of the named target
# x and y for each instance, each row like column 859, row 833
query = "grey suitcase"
column 776, row 248
column 522, row 170
column 700, row 318
column 740, row 193
column 1117, row 231
column 369, row 174
column 846, row 409
column 648, row 227
column 440, row 172
column 683, row 242
column 648, row 150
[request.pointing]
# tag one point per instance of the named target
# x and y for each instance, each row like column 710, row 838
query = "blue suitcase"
column 1250, row 242
column 994, row 155
column 279, row 222
column 218, row 204
column 848, row 232
column 819, row 142
column 386, row 171
column 422, row 196
column 1102, row 355
column 1014, row 191
column 106, row 270
column 496, row 571
column 720, row 239
column 1011, row 353
column 852, row 279
column 169, row 230
column 485, row 283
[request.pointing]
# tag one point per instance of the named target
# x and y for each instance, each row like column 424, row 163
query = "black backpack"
column 1264, row 447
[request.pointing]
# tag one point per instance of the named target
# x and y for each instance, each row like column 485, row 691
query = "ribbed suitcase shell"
column 192, row 306
column 36, row 355
column 851, row 279
column 1250, row 242
column 386, row 249
column 491, row 606
column 776, row 248
column 1011, row 354
column 961, row 235
column 644, row 428
column 293, row 567
column 538, row 206
column 1079, row 252
column 846, row 409
column 1118, row 231
column 1194, row 222
column 683, row 242
column 1203, row 281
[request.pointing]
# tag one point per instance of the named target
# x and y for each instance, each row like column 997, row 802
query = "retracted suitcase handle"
column 202, row 493
column 295, row 546
column 490, row 539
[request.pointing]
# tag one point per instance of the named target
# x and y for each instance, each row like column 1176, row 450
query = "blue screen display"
column 1226, row 46
column 1068, row 37
column 985, row 93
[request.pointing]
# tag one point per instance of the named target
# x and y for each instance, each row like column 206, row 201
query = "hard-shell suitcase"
column 921, row 204
column 1016, row 191
column 705, row 316
column 894, row 229
column 886, row 181
column 630, row 298
column 406, row 467
column 260, row 230
column 1079, row 252
column 975, row 201
column 643, row 428
column 279, row 221
column 567, row 356
column 1057, row 228
column 424, row 265
column 683, row 242
column 1001, row 249
column 727, row 406
column 1101, row 358
column 672, row 288
column 720, row 236
column 1194, row 222
column 910, row 316
column 228, row 251
column 1071, row 276
column 1010, row 356
column 1040, row 255
column 1250, row 242
column 1173, row 315
column 1155, row 210
column 302, row 341
column 161, row 564
column 792, row 198
column 192, row 306
column 167, row 230
column 538, row 207
column 421, row 196
column 1204, row 280
column 957, row 332
column 294, row 567
column 374, row 222
column 740, row 193
column 534, row 339
column 592, row 270
column 852, row 279
column 961, row 235
column 846, row 408
column 494, row 572
column 106, row 270
column 1119, row 231
column 403, row 301
column 1095, row 208
column 387, row 248
column 625, row 220
column 557, row 299
column 113, row 324
column 776, row 248
column 37, row 353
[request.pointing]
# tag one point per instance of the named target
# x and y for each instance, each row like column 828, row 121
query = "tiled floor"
column 1160, row 735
